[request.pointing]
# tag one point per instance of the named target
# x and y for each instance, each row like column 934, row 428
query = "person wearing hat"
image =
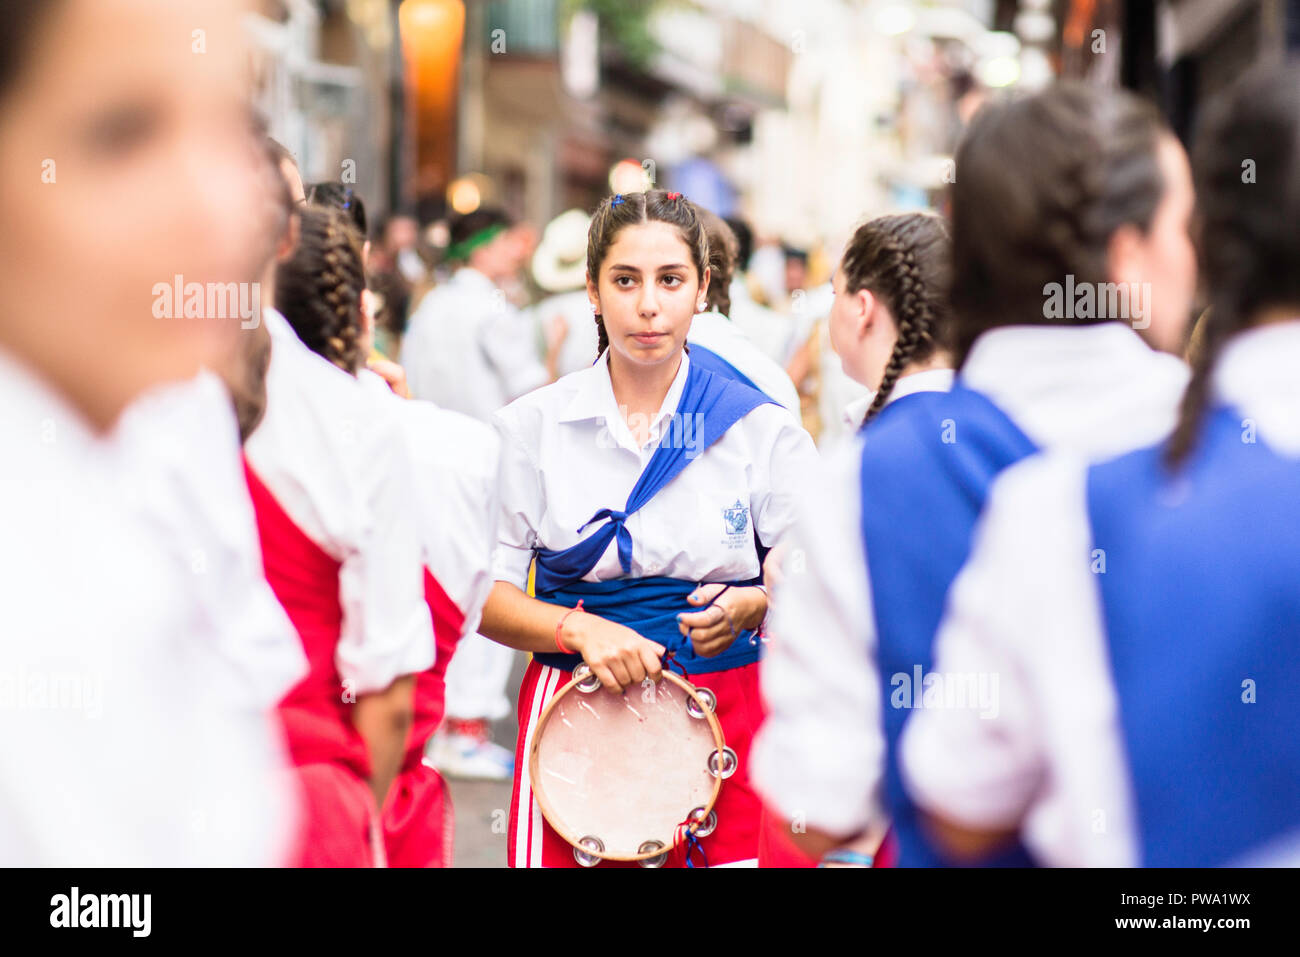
column 560, row 268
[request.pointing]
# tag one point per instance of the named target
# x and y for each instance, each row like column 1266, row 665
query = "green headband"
column 462, row 249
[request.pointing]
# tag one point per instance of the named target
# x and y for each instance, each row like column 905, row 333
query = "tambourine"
column 627, row 777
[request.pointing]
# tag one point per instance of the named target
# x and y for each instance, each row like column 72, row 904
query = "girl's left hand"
column 713, row 629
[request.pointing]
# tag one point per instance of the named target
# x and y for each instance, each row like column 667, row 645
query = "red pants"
column 534, row 843
column 339, row 821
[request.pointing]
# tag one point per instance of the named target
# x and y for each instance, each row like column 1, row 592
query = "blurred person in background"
column 395, row 268
column 469, row 350
column 715, row 342
column 332, row 485
column 126, row 161
column 766, row 328
column 560, row 268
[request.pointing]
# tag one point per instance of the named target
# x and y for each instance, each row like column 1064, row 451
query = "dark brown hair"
column 1042, row 183
column 1247, row 169
column 319, row 288
column 611, row 217
column 723, row 250
column 904, row 260
column 20, row 22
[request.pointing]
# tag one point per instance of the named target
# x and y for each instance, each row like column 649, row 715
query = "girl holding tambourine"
column 642, row 487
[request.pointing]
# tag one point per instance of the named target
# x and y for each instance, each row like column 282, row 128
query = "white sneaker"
column 472, row 756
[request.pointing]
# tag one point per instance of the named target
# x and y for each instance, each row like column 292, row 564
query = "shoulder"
column 447, row 438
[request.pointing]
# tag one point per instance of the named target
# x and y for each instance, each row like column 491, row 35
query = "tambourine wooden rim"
column 553, row 819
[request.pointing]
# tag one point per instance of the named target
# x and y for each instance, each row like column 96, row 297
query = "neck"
column 640, row 389
column 938, row 360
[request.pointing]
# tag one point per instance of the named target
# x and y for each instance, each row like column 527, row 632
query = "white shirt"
column 1095, row 389
column 1028, row 606
column 929, row 380
column 127, row 736
column 567, row 452
column 334, row 457
column 457, row 496
column 469, row 350
column 717, row 333
column 766, row 328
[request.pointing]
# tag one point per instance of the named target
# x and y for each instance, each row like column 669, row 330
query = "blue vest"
column 650, row 605
column 1201, row 605
column 928, row 460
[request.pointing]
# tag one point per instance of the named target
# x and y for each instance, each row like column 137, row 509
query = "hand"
column 773, row 572
column 391, row 373
column 713, row 629
column 616, row 654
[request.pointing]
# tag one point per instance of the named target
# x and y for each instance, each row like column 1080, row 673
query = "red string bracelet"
column 560, row 624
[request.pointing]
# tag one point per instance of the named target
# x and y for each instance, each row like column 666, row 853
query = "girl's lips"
column 648, row 336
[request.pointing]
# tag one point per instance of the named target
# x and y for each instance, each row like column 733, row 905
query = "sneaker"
column 464, row 749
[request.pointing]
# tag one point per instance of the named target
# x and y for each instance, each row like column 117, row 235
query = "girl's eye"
column 673, row 281
column 121, row 130
column 619, row 281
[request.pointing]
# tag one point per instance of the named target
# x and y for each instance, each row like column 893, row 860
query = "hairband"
column 674, row 196
column 617, row 200
column 462, row 249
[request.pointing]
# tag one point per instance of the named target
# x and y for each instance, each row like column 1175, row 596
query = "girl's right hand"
column 616, row 654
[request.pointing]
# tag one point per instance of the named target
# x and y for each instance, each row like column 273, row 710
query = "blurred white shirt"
column 467, row 349
column 135, row 718
column 717, row 333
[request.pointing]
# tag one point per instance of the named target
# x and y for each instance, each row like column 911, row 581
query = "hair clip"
column 674, row 196
column 617, row 200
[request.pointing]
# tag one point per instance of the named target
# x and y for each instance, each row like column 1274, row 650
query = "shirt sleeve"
column 1024, row 588
column 387, row 628
column 522, row 504
column 819, row 755
column 781, row 476
column 508, row 339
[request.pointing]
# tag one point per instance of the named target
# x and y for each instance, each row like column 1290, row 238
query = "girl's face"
column 862, row 333
column 127, row 159
column 1161, row 263
column 648, row 293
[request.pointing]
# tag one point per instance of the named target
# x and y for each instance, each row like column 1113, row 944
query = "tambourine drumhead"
column 626, row 769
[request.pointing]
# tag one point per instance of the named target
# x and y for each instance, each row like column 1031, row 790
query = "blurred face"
column 126, row 159
column 647, row 293
column 862, row 333
column 1163, row 259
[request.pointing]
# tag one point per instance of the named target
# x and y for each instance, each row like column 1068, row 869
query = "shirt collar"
column 1258, row 366
column 594, row 396
column 471, row 278
column 929, row 380
column 278, row 326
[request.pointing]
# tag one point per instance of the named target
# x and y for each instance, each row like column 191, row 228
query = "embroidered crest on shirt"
column 737, row 521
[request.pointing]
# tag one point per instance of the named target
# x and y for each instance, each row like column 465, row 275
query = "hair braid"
column 319, row 289
column 903, row 260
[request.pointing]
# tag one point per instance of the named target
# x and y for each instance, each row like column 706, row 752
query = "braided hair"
column 628, row 209
column 319, row 289
column 1249, row 243
column 723, row 251
column 903, row 260
column 1042, row 184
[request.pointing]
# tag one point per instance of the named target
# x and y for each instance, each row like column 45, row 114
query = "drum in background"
column 629, row 777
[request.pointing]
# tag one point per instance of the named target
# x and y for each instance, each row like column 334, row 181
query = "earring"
column 699, row 306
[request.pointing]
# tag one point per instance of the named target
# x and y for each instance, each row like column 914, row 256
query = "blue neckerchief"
column 715, row 403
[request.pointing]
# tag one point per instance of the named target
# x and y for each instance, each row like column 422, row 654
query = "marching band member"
column 718, row 344
column 890, row 326
column 331, row 483
column 1095, row 190
column 132, row 734
column 681, row 512
column 1141, row 613
column 469, row 350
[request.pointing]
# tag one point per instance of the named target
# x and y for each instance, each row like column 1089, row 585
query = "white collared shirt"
column 581, row 342
column 132, row 733
column 717, row 333
column 1027, row 606
column 1094, row 389
column 334, row 457
column 928, row 380
column 469, row 350
column 567, row 452
column 457, row 495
